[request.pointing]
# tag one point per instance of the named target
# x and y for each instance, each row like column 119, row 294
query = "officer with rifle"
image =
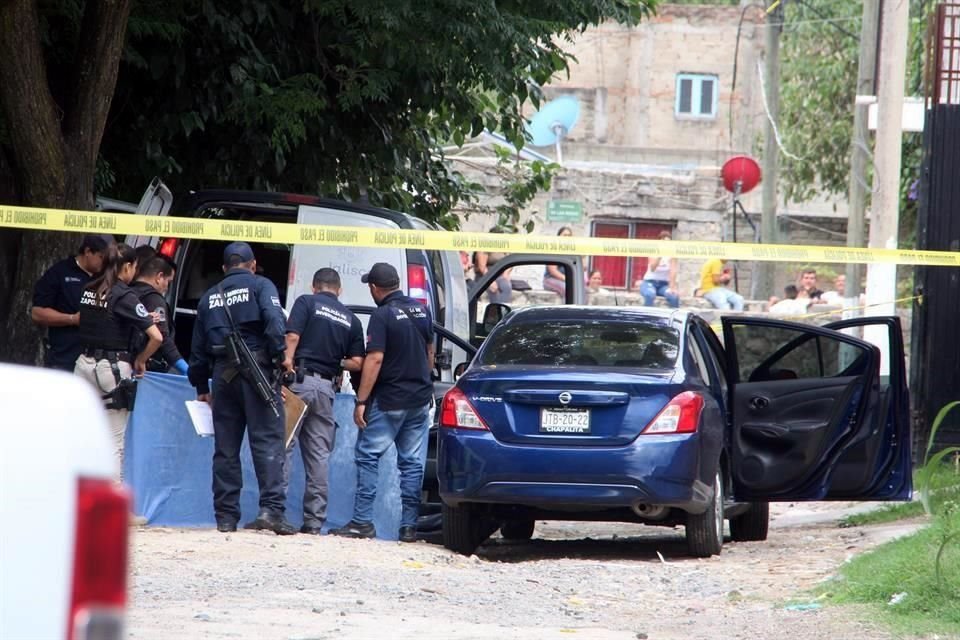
column 239, row 337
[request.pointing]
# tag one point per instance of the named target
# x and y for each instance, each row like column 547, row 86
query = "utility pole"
column 885, row 212
column 859, row 145
column 763, row 271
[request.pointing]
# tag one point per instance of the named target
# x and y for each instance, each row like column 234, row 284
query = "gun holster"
column 123, row 396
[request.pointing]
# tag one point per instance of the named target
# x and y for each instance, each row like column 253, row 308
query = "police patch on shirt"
column 142, row 311
column 276, row 301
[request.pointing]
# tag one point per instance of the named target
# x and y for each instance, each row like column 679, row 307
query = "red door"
column 645, row 231
column 613, row 268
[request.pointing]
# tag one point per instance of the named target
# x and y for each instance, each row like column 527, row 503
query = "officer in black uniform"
column 255, row 308
column 56, row 301
column 393, row 401
column 113, row 322
column 153, row 281
column 323, row 338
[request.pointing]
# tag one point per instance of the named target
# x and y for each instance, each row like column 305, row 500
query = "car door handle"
column 758, row 403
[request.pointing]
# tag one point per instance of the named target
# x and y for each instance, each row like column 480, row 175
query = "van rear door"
column 156, row 201
column 351, row 262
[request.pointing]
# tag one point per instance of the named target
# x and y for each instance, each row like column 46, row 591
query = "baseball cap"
column 239, row 249
column 381, row 275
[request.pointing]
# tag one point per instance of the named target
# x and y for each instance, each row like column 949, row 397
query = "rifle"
column 246, row 363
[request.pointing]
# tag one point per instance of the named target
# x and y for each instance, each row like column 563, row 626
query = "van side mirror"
column 492, row 315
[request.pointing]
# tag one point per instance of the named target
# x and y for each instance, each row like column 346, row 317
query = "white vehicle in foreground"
column 63, row 517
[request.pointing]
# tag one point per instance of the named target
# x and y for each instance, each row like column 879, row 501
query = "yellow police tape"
column 293, row 233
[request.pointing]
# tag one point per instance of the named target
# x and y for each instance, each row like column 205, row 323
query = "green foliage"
column 349, row 99
column 915, row 581
column 820, row 46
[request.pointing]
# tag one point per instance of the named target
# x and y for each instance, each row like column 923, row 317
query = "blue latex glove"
column 181, row 366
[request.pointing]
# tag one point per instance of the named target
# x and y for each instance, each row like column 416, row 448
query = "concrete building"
column 660, row 111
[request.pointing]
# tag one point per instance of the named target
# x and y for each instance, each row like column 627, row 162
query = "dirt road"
column 574, row 580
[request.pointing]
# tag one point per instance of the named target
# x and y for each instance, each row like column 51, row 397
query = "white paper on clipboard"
column 201, row 416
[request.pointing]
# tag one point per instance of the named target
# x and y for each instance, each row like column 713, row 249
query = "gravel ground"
column 589, row 580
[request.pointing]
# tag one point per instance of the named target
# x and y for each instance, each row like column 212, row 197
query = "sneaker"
column 226, row 526
column 267, row 521
column 354, row 529
column 408, row 533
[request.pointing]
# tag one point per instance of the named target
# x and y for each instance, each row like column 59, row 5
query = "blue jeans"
column 723, row 298
column 650, row 289
column 407, row 428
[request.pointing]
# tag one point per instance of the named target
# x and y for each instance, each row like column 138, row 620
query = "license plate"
column 564, row 420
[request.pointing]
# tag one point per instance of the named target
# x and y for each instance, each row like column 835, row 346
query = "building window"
column 696, row 96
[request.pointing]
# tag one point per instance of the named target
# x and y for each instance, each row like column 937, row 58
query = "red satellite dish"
column 740, row 174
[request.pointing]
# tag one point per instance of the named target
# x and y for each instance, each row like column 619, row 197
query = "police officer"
column 112, row 324
column 393, row 401
column 323, row 338
column 154, row 276
column 254, row 306
column 56, row 301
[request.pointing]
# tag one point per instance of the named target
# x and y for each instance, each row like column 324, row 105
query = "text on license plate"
column 564, row 420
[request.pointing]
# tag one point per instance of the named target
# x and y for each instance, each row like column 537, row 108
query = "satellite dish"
column 740, row 174
column 553, row 122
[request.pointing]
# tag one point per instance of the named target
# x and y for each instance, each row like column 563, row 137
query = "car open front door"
column 575, row 290
column 156, row 201
column 811, row 417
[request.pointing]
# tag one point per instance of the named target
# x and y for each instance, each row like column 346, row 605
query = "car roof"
column 585, row 312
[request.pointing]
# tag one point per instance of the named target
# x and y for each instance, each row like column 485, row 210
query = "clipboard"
column 295, row 410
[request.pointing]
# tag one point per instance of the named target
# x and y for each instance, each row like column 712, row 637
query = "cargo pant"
column 315, row 438
column 100, row 375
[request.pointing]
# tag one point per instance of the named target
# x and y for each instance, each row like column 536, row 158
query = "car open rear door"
column 156, row 201
column 575, row 290
column 811, row 418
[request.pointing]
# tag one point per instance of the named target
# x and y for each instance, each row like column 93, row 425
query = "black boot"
column 266, row 521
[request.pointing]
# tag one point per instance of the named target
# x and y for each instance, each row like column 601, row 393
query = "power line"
column 829, row 21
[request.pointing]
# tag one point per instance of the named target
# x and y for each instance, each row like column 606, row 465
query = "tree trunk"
column 54, row 147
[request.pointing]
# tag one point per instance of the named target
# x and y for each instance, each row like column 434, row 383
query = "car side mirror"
column 492, row 315
column 460, row 369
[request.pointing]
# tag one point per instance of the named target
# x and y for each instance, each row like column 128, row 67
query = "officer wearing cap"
column 323, row 338
column 393, row 401
column 254, row 306
column 152, row 282
column 56, row 301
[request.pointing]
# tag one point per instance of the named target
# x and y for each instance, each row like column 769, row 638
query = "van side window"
column 439, row 290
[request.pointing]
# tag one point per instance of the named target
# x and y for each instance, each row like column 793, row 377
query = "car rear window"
column 598, row 343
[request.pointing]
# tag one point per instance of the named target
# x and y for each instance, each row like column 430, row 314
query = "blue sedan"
column 642, row 415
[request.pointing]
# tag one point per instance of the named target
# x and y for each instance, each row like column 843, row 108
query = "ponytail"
column 115, row 257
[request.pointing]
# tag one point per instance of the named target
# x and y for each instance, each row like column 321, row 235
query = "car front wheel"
column 705, row 530
column 517, row 529
column 751, row 525
column 464, row 529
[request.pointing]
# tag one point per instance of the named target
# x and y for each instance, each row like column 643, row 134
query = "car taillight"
column 457, row 412
column 417, row 283
column 99, row 593
column 168, row 247
column 681, row 415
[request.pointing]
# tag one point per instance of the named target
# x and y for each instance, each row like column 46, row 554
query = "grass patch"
column 899, row 582
column 944, row 484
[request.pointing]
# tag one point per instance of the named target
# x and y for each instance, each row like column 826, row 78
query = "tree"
column 53, row 134
column 818, row 82
column 342, row 98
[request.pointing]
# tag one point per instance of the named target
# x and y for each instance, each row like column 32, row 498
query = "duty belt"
column 108, row 354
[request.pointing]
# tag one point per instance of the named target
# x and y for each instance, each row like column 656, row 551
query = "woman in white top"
column 661, row 279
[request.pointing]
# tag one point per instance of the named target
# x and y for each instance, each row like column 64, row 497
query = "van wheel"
column 517, row 529
column 751, row 525
column 705, row 530
column 464, row 529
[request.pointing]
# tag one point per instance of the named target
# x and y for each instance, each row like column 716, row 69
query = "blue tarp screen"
column 168, row 466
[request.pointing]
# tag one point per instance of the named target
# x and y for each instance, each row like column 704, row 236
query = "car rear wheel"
column 705, row 530
column 751, row 525
column 464, row 529
column 517, row 529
